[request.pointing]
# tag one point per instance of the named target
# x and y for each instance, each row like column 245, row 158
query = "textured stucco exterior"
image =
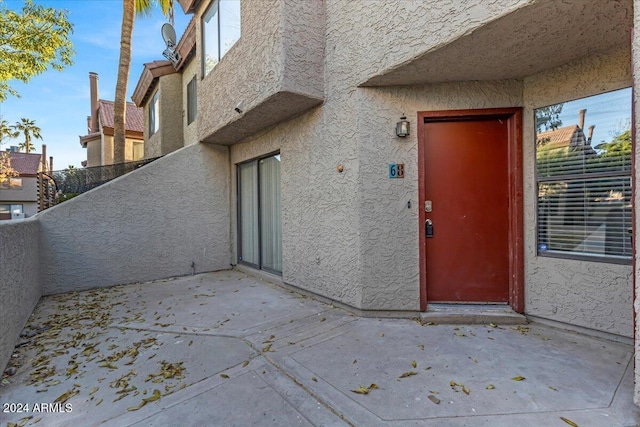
column 169, row 136
column 94, row 154
column 589, row 294
column 20, row 284
column 152, row 223
column 274, row 70
column 107, row 149
column 351, row 235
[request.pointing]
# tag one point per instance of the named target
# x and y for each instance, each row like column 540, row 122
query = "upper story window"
column 220, row 31
column 192, row 101
column 583, row 172
column 11, row 184
column 154, row 114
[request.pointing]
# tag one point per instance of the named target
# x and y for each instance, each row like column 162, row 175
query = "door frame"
column 513, row 116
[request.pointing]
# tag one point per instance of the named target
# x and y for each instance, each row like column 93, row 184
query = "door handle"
column 428, row 228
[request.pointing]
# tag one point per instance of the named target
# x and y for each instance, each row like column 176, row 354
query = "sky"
column 59, row 101
column 609, row 112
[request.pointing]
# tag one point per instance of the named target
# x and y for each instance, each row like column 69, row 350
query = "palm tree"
column 7, row 131
column 29, row 129
column 131, row 8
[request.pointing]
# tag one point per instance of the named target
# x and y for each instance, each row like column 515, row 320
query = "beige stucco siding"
column 589, row 294
column 146, row 226
column 20, row 284
column 274, row 71
column 28, row 192
column 388, row 228
column 94, row 155
column 374, row 37
column 171, row 113
column 169, row 136
column 107, row 149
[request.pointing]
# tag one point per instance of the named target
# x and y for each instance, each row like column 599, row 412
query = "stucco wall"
column 152, row 223
column 93, row 153
column 28, row 192
column 589, row 294
column 190, row 131
column 274, row 70
column 388, row 229
column 128, row 149
column 20, row 282
column 169, row 136
column 379, row 36
column 171, row 113
column 107, row 149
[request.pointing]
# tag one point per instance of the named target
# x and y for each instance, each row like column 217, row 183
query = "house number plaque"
column 396, row 170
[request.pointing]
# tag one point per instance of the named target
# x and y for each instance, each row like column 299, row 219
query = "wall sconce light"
column 402, row 127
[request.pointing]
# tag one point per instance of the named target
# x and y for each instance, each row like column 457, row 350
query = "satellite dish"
column 169, row 35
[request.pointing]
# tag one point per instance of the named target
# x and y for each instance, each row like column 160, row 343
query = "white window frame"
column 211, row 21
column 154, row 114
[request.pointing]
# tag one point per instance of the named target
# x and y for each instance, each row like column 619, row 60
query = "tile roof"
column 134, row 119
column 568, row 136
column 25, row 164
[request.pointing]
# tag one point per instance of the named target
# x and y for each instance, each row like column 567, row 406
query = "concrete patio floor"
column 227, row 349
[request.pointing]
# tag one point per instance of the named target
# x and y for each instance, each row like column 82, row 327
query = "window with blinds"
column 584, row 199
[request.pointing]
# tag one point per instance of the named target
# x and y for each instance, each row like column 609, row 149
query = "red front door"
column 467, row 193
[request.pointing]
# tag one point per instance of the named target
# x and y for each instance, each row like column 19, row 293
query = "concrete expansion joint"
column 297, row 382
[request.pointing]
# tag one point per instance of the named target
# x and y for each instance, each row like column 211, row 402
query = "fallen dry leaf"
column 568, row 421
column 434, row 399
column 155, row 396
column 408, row 374
column 225, row 376
column 361, row 390
column 66, row 396
column 518, row 378
column 490, row 387
column 414, row 364
column 245, row 363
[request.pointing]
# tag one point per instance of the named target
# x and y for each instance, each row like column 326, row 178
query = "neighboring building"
column 19, row 194
column 168, row 96
column 99, row 139
column 301, row 170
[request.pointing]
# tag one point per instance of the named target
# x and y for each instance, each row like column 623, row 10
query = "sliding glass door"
column 259, row 222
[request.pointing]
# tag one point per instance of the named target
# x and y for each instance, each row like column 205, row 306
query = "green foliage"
column 548, row 118
column 29, row 129
column 7, row 131
column 31, row 41
column 620, row 145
